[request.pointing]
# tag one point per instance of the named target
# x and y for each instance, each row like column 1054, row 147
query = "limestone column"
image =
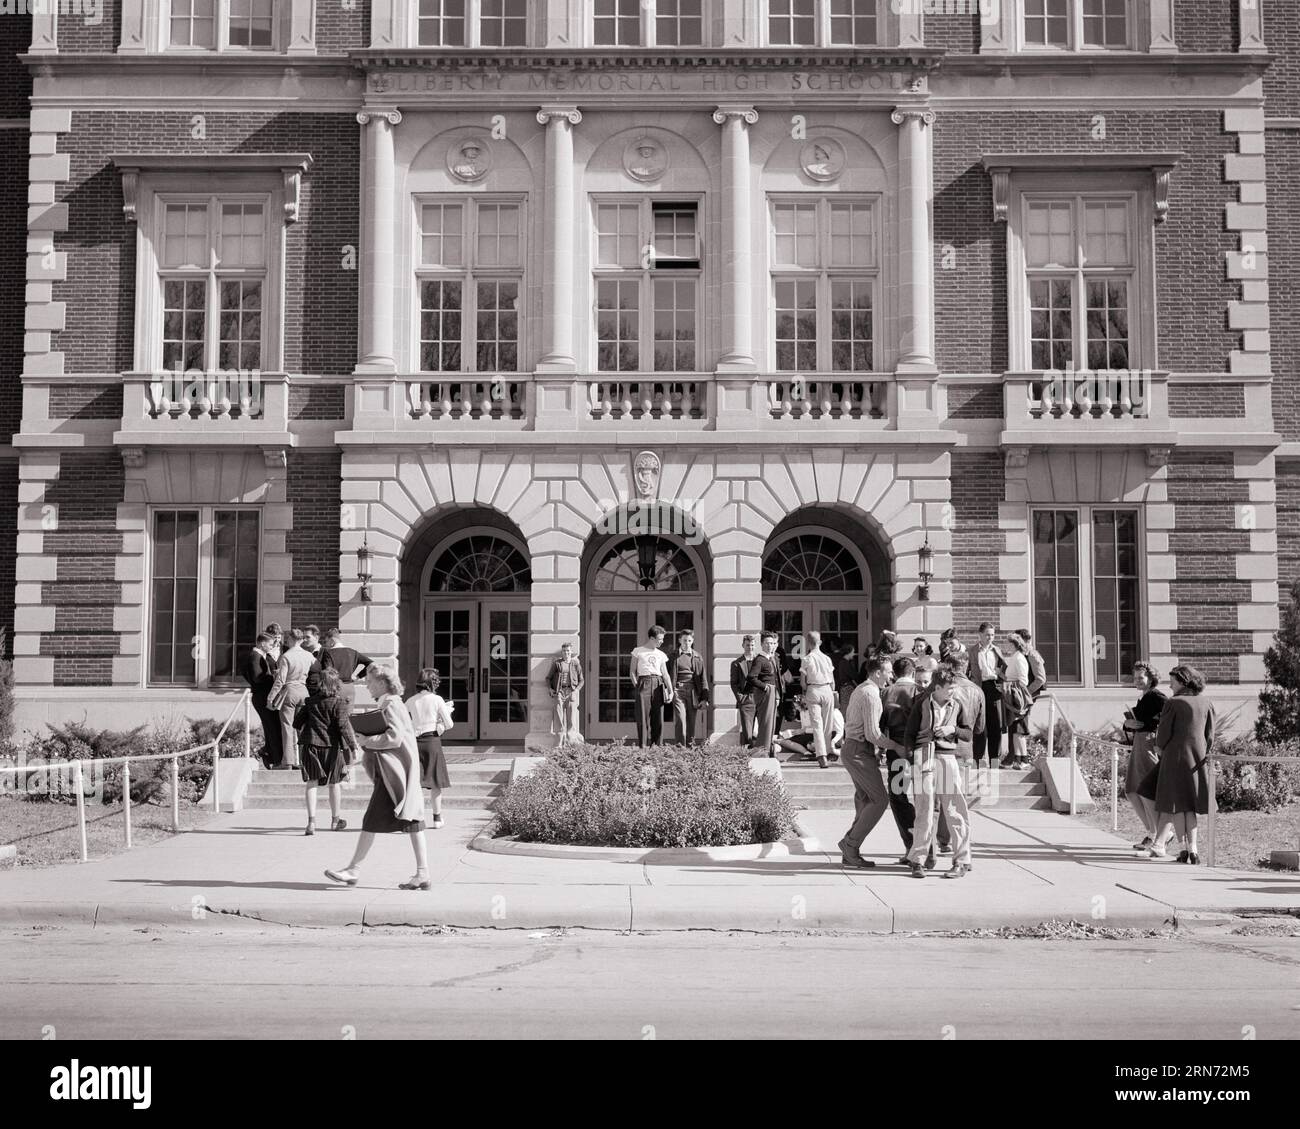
column 379, row 232
column 558, row 293
column 916, row 253
column 737, row 258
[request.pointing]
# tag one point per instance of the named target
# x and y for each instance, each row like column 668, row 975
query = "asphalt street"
column 253, row 981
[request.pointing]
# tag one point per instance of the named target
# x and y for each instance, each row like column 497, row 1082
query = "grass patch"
column 46, row 834
column 667, row 796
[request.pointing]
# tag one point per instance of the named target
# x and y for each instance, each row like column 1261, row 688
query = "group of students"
column 304, row 689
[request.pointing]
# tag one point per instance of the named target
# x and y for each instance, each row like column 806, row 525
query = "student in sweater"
column 939, row 734
column 326, row 743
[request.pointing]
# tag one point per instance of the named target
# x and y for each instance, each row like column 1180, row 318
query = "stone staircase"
column 831, row 788
column 478, row 774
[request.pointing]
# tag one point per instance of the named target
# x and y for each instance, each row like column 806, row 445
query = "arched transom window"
column 811, row 562
column 481, row 563
column 647, row 564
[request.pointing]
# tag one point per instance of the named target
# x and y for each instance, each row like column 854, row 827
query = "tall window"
column 203, row 593
column 646, row 282
column 1077, row 25
column 471, row 23
column 822, row 23
column 1087, row 627
column 239, row 25
column 648, row 23
column 470, row 279
column 824, row 277
column 212, row 271
column 1081, row 265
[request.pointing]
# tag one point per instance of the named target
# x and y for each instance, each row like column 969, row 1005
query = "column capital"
column 746, row 113
column 912, row 113
column 548, row 114
column 392, row 116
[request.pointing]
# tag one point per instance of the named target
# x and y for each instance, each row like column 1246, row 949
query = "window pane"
column 618, row 23
column 498, row 235
column 853, row 22
column 504, row 23
column 792, row 23
column 796, row 325
column 235, row 556
column 1047, row 23
column 679, row 23
column 497, row 319
column 240, row 344
column 1049, row 234
column 795, row 231
column 674, row 234
column 1108, row 346
column 251, row 23
column 1056, row 592
column 852, row 237
column 1051, row 324
column 185, row 237
column 193, row 23
column 1106, row 233
column 618, row 325
column 851, row 325
column 185, row 305
column 174, row 592
column 241, row 242
column 618, row 235
column 1105, row 23
column 442, row 241
column 674, row 324
column 441, row 23
column 1115, row 593
column 440, row 326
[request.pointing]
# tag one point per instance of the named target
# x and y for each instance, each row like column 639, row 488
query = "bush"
column 667, row 796
column 6, row 692
column 1255, row 787
column 1279, row 702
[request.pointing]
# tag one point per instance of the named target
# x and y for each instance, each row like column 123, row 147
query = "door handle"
column 482, row 678
column 472, row 672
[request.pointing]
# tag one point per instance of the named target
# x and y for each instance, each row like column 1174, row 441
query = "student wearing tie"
column 564, row 681
column 649, row 673
column 690, row 688
column 258, row 670
column 740, row 689
column 764, row 685
column 986, row 670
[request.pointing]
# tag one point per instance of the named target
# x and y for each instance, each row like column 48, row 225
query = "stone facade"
column 946, row 436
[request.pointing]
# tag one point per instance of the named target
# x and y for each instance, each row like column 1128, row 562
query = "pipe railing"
column 78, row 774
column 1055, row 705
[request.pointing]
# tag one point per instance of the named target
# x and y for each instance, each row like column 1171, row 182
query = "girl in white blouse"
column 1016, row 702
column 432, row 717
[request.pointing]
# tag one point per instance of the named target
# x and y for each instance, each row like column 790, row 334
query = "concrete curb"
column 649, row 856
column 617, row 908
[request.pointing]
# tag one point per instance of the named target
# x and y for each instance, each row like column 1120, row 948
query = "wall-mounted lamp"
column 925, row 567
column 363, row 570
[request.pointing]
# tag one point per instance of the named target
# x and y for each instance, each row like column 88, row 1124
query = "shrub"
column 6, row 691
column 667, row 796
column 1279, row 701
column 1255, row 787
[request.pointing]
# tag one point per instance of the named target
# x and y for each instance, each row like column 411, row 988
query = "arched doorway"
column 815, row 579
column 474, row 629
column 632, row 584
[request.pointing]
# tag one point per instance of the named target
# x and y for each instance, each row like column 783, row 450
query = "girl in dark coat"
column 1141, row 724
column 1184, row 738
column 325, row 742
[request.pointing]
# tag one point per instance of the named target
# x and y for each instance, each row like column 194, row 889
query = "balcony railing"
column 827, row 399
column 220, row 407
column 645, row 400
column 478, row 401
column 1074, row 400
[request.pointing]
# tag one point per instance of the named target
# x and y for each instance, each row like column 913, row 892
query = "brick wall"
column 15, row 80
column 86, row 401
column 316, row 401
column 77, row 37
column 975, row 401
column 8, row 548
column 339, row 30
column 1288, row 527
column 1206, row 538
column 86, row 543
column 1283, row 277
column 978, row 592
column 1207, row 401
column 313, row 490
column 1282, row 79
column 13, row 256
column 1209, row 25
column 959, row 35
column 321, row 297
column 1192, row 290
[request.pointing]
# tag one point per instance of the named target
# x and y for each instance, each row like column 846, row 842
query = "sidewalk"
column 1030, row 867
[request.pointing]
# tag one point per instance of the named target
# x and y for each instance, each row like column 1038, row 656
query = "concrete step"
column 1005, row 803
column 355, row 804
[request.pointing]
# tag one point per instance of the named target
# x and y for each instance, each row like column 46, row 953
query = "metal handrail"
column 78, row 777
column 1115, row 748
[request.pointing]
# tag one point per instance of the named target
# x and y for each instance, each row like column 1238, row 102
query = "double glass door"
column 838, row 624
column 481, row 652
column 616, row 626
